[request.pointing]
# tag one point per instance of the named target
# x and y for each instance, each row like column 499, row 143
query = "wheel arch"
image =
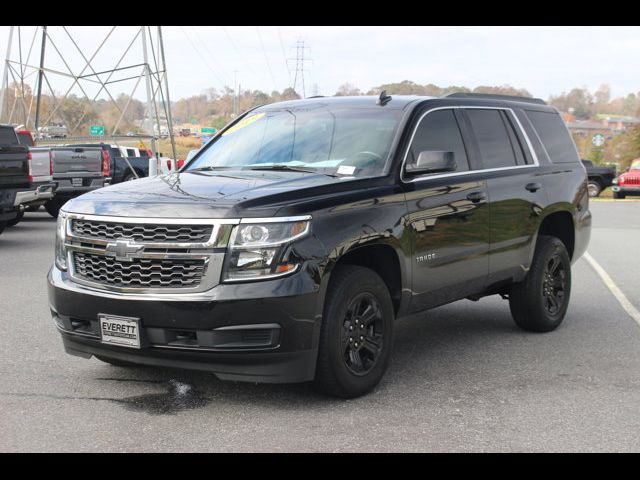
column 560, row 223
column 384, row 259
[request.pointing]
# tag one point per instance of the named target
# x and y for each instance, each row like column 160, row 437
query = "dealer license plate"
column 122, row 331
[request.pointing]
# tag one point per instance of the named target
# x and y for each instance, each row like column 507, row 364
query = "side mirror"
column 432, row 161
column 627, row 169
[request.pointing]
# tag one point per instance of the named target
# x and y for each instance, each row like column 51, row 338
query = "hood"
column 201, row 194
column 634, row 173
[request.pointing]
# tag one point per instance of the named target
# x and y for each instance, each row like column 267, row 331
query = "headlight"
column 256, row 249
column 614, row 181
column 61, row 237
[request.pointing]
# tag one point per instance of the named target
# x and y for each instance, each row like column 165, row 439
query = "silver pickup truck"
column 77, row 170
column 41, row 187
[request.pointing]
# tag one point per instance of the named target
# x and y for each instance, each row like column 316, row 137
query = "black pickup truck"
column 599, row 177
column 290, row 244
column 14, row 174
column 124, row 164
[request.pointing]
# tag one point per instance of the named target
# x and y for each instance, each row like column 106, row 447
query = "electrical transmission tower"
column 300, row 66
column 40, row 59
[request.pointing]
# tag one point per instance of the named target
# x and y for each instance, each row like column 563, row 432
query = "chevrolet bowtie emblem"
column 123, row 250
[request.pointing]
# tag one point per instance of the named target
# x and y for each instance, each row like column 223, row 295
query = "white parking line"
column 621, row 297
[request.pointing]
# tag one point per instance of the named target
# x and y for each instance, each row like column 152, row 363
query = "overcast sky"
column 544, row 60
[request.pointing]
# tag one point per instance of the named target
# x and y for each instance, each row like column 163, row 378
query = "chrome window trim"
column 421, row 178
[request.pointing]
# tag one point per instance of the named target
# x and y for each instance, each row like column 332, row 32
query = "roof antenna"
column 383, row 99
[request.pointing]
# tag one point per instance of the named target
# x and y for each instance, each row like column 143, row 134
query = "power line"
column 242, row 57
column 284, row 55
column 195, row 49
column 266, row 59
column 213, row 58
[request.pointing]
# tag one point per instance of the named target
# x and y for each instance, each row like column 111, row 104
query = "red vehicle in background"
column 628, row 183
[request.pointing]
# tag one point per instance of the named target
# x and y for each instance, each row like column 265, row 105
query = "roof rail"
column 491, row 96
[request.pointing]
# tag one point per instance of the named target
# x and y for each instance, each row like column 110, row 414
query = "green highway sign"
column 208, row 130
column 96, row 130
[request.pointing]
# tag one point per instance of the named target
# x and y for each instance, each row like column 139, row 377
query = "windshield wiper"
column 287, row 168
column 211, row 167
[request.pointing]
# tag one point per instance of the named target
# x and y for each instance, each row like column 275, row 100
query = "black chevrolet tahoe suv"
column 288, row 247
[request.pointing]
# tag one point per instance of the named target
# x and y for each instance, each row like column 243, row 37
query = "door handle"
column 533, row 187
column 477, row 197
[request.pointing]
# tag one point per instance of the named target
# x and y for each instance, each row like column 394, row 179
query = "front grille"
column 632, row 181
column 142, row 232
column 140, row 272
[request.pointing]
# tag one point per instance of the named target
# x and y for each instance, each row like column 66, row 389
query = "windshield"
column 352, row 142
column 635, row 165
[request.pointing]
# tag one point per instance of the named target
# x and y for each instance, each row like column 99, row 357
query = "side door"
column 448, row 215
column 516, row 193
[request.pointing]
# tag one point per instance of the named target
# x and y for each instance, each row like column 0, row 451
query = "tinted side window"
column 439, row 131
column 493, row 138
column 554, row 136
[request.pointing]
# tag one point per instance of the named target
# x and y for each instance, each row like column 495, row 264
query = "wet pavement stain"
column 180, row 396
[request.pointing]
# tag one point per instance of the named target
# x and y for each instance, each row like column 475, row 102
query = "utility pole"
column 300, row 66
column 40, row 77
column 235, row 93
column 151, row 104
column 5, row 76
column 174, row 164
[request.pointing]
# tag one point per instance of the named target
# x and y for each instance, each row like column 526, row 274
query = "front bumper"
column 626, row 190
column 257, row 332
column 40, row 193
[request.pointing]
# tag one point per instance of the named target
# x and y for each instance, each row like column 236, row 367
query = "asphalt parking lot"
column 463, row 377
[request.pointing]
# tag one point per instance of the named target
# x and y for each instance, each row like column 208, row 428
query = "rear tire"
column 130, row 177
column 2, row 226
column 356, row 338
column 619, row 195
column 116, row 363
column 53, row 207
column 594, row 188
column 14, row 221
column 539, row 303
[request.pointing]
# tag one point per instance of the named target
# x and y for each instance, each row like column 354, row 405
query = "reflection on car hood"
column 210, row 194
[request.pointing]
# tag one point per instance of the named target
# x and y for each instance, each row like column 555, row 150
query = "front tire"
column 53, row 207
column 619, row 195
column 594, row 188
column 540, row 302
column 2, row 226
column 356, row 338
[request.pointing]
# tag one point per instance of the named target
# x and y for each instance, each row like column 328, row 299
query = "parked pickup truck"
column 286, row 249
column 14, row 174
column 628, row 183
column 125, row 163
column 599, row 177
column 77, row 170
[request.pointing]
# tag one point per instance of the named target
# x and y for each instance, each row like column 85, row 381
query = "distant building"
column 605, row 124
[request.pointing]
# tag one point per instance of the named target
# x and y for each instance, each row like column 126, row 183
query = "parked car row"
column 33, row 176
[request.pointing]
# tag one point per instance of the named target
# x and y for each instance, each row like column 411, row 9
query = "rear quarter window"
column 554, row 136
